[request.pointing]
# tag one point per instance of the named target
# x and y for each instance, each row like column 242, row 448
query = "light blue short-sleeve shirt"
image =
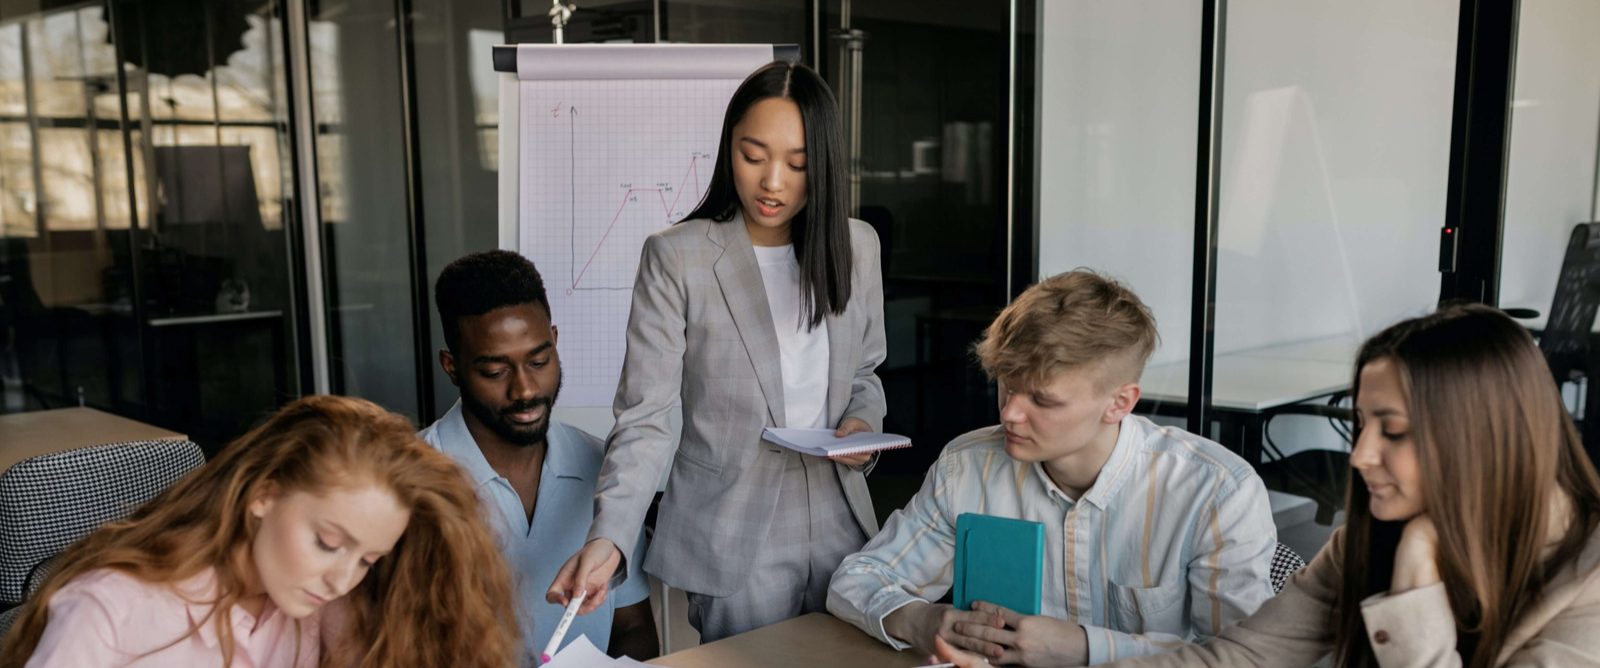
column 536, row 551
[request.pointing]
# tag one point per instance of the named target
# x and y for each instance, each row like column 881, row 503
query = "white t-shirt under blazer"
column 804, row 352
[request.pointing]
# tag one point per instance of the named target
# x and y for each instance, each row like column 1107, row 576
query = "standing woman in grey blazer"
column 763, row 308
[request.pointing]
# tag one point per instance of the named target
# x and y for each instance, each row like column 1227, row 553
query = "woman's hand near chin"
column 1416, row 561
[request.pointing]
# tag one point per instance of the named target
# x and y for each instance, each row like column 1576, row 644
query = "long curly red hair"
column 442, row 597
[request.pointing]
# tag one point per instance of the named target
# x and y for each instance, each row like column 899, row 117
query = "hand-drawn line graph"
column 602, row 165
column 670, row 211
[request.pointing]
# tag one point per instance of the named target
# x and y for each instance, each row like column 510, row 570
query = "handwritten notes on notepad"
column 581, row 653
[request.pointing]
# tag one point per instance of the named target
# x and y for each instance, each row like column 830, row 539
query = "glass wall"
column 1555, row 113
column 143, row 215
column 1551, row 168
column 1334, row 148
column 924, row 90
column 361, row 177
column 1118, row 93
column 72, row 335
column 1335, row 163
column 210, row 159
column 457, row 122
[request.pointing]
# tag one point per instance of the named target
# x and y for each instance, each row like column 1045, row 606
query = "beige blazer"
column 700, row 331
column 1413, row 629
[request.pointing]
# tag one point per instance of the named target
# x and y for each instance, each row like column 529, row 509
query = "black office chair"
column 1567, row 333
column 1317, row 474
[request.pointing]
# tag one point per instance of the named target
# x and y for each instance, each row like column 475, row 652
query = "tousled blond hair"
column 1079, row 320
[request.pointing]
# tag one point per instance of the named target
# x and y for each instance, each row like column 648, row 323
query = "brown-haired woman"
column 333, row 500
column 1470, row 536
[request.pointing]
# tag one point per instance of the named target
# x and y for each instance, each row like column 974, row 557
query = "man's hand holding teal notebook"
column 1000, row 561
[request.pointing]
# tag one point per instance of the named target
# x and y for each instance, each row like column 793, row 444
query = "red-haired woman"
column 328, row 536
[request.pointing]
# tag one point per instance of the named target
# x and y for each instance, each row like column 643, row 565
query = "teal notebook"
column 1000, row 561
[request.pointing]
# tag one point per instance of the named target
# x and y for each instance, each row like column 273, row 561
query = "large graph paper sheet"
column 616, row 143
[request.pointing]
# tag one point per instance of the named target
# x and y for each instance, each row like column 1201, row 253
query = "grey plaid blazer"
column 700, row 331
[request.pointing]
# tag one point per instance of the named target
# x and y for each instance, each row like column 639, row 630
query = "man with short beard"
column 536, row 476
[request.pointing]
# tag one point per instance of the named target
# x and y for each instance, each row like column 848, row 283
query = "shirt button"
column 1381, row 637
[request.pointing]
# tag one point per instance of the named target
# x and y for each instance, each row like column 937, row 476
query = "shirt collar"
column 561, row 457
column 1050, row 488
column 199, row 593
column 450, row 434
column 564, row 454
column 1115, row 472
column 1112, row 474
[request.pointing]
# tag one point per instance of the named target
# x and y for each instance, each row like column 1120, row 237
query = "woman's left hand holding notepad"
column 853, row 426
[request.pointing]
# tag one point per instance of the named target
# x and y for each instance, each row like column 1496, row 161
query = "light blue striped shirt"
column 1173, row 542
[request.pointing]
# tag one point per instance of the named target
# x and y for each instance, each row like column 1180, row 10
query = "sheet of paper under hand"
column 581, row 653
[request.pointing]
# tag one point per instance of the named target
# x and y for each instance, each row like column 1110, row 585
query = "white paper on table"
column 581, row 653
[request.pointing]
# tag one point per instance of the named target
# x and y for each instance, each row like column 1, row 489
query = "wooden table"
column 813, row 641
column 24, row 435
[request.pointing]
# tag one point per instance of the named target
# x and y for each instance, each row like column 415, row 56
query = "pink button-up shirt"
column 107, row 618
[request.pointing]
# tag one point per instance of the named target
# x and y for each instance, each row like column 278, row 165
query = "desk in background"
column 216, row 374
column 1536, row 325
column 813, row 641
column 1247, row 385
column 24, row 435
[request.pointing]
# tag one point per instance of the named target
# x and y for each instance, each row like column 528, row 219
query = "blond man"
column 1153, row 536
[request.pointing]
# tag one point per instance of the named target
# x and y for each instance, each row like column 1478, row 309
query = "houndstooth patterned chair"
column 1284, row 563
column 49, row 501
column 35, row 580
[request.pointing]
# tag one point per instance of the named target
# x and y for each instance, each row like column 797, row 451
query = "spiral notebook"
column 821, row 442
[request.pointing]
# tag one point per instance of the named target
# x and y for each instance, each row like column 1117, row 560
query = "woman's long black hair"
column 820, row 231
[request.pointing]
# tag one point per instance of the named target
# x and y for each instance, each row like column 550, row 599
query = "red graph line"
column 682, row 181
column 667, row 209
